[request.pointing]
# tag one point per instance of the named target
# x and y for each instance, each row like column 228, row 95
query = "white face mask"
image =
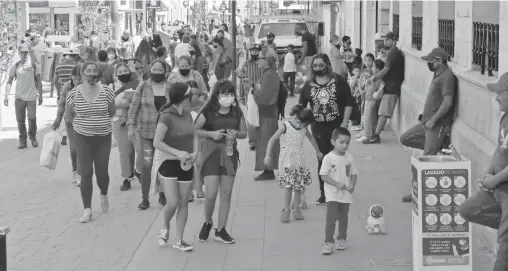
column 226, row 101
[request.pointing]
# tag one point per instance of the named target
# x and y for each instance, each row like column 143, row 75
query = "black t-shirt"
column 159, row 101
column 311, row 43
column 395, row 76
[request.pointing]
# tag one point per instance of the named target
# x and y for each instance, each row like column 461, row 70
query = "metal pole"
column 233, row 22
column 3, row 248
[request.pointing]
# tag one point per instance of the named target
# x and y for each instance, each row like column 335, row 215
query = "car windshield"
column 279, row 29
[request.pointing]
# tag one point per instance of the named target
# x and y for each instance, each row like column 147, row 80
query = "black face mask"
column 214, row 46
column 221, row 38
column 297, row 33
column 124, row 78
column 184, row 72
column 192, row 53
column 320, row 72
column 254, row 57
column 337, row 46
column 157, row 77
column 431, row 66
column 269, row 41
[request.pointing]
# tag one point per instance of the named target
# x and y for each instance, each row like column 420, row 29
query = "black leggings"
column 93, row 152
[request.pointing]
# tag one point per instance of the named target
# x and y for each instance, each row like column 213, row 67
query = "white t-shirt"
column 289, row 62
column 181, row 49
column 340, row 169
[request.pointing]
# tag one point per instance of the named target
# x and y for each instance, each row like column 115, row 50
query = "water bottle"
column 186, row 165
column 230, row 140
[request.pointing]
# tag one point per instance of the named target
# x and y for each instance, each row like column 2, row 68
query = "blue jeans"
column 430, row 141
column 490, row 210
column 24, row 110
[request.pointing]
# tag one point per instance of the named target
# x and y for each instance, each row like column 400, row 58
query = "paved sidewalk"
column 263, row 243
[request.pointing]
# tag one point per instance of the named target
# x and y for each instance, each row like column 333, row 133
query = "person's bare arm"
column 304, row 52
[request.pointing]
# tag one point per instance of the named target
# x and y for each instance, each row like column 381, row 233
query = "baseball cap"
column 500, row 85
column 270, row 35
column 436, row 53
column 23, row 47
column 390, row 35
column 255, row 47
column 378, row 36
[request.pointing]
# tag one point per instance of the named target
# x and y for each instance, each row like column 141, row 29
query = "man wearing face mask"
column 439, row 109
column 250, row 73
column 339, row 67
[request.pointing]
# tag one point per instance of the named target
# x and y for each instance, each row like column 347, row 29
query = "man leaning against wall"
column 438, row 111
column 489, row 207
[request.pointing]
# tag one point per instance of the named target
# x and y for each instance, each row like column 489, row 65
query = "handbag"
column 252, row 111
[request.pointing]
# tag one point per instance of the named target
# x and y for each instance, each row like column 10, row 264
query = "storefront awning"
column 172, row 4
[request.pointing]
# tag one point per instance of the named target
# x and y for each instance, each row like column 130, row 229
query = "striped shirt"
column 63, row 73
column 251, row 71
column 91, row 119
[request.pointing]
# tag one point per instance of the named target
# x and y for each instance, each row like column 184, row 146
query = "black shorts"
column 172, row 169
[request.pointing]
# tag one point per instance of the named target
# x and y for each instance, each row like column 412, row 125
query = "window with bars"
column 446, row 36
column 395, row 23
column 486, row 47
column 416, row 32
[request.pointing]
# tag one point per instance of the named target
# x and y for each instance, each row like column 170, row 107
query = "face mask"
column 92, row 79
column 184, row 72
column 254, row 57
column 297, row 33
column 226, row 101
column 269, row 41
column 320, row 72
column 337, row 46
column 221, row 38
column 192, row 53
column 431, row 66
column 157, row 77
column 124, row 78
column 215, row 46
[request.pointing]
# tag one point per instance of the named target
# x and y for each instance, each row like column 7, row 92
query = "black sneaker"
column 223, row 236
column 252, row 147
column 126, row 185
column 145, row 204
column 205, row 231
column 265, row 176
column 162, row 199
column 22, row 145
column 407, row 198
column 375, row 139
column 137, row 175
column 64, row 140
column 321, row 200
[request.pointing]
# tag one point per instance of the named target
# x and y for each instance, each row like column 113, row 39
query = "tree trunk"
column 115, row 24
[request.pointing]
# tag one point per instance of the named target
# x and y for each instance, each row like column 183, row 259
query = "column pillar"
column 503, row 39
column 405, row 19
column 463, row 33
column 430, row 25
column 368, row 26
column 22, row 10
column 355, row 20
column 390, row 15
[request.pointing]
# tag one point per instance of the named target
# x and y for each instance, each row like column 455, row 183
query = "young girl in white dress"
column 294, row 174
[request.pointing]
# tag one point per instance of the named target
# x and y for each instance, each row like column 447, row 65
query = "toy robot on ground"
column 376, row 221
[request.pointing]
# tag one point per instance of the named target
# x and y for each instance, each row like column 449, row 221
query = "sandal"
column 285, row 216
column 191, row 198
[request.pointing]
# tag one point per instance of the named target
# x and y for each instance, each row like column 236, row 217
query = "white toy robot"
column 376, row 221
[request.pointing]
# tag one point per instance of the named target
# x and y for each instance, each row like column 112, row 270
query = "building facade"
column 469, row 31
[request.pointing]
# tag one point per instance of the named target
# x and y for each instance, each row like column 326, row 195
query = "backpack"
column 282, row 99
column 16, row 70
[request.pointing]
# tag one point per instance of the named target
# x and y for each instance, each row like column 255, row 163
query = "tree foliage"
column 95, row 18
column 10, row 34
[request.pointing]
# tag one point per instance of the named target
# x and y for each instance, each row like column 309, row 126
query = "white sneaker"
column 356, row 128
column 78, row 179
column 360, row 134
column 361, row 139
column 87, row 216
column 104, row 203
column 74, row 177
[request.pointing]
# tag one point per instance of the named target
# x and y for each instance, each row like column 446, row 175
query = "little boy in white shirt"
column 339, row 174
column 290, row 70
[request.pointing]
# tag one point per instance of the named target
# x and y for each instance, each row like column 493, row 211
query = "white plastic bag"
column 50, row 150
column 252, row 111
column 212, row 81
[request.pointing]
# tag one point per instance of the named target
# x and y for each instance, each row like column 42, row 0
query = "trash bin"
column 47, row 64
column 441, row 237
column 3, row 248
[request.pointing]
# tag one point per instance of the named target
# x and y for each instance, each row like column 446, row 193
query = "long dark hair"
column 156, row 41
column 75, row 71
column 221, row 87
column 177, row 94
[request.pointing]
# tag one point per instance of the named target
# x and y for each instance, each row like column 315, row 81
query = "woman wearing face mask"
column 186, row 74
column 175, row 151
column 331, row 110
column 198, row 62
column 338, row 65
column 112, row 56
column 149, row 97
column 64, row 111
column 144, row 54
column 93, row 106
column 219, row 124
column 126, row 148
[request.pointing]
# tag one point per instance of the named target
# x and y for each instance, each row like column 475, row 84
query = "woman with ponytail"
column 294, row 174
